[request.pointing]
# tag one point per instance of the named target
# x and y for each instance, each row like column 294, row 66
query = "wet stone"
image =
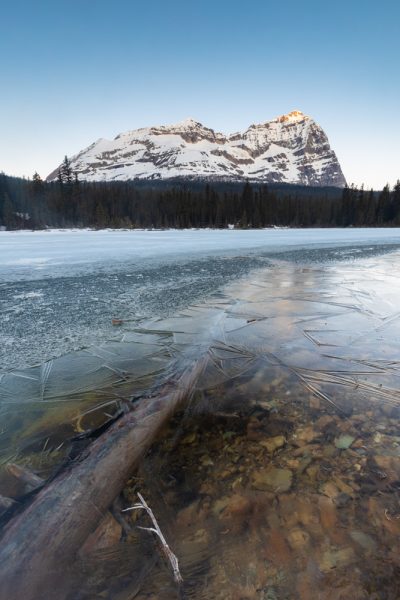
column 364, row 540
column 324, row 421
column 389, row 466
column 237, row 506
column 254, row 429
column 188, row 515
column 313, row 472
column 344, row 441
column 346, row 488
column 327, row 514
column 206, row 461
column 220, row 505
column 107, row 534
column 314, row 403
column 342, row 500
column 298, row 539
column 332, row 559
column 189, row 439
column 329, row 489
column 273, row 443
column 273, row 479
column 305, row 435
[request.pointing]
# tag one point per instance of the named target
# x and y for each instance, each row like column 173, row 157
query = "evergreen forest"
column 68, row 202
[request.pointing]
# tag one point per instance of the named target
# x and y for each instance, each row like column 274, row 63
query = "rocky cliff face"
column 289, row 149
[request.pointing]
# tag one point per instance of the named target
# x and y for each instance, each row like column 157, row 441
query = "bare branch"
column 156, row 529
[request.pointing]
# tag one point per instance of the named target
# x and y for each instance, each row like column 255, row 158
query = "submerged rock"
column 327, row 514
column 206, row 461
column 329, row 489
column 390, row 467
column 190, row 438
column 342, row 500
column 332, row 559
column 305, row 435
column 107, row 534
column 344, row 441
column 273, row 479
column 364, row 540
column 273, row 443
column 237, row 506
column 298, row 539
column 220, row 505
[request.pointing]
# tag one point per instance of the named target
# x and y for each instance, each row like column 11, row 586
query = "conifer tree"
column 396, row 202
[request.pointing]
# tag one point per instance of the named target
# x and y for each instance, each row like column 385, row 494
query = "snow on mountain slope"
column 289, row 149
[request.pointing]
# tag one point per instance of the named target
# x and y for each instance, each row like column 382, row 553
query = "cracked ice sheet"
column 337, row 342
column 59, row 290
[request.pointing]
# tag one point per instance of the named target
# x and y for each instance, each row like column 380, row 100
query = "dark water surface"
column 281, row 477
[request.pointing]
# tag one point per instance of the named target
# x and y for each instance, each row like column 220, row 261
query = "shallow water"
column 281, row 477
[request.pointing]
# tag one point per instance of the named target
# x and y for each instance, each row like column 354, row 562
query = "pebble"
column 390, row 465
column 342, row 500
column 329, row 489
column 364, row 540
column 298, row 539
column 344, row 487
column 344, row 441
column 305, row 435
column 273, row 479
column 323, row 421
column 331, row 559
column 206, row 461
column 237, row 506
column 273, row 443
column 189, row 439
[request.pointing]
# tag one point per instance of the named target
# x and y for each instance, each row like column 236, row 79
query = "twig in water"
column 156, row 529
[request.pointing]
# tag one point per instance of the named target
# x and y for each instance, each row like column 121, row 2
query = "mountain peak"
column 293, row 116
column 188, row 123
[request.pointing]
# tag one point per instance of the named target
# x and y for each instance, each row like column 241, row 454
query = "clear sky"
column 71, row 72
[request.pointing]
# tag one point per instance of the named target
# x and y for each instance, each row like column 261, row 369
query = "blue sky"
column 74, row 71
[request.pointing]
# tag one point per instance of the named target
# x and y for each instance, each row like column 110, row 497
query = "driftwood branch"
column 157, row 531
column 39, row 545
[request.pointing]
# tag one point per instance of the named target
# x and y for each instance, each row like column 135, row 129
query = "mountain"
column 289, row 149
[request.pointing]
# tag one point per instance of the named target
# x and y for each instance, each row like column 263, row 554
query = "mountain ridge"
column 291, row 148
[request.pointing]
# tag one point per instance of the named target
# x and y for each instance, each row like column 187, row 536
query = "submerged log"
column 40, row 543
column 5, row 503
column 30, row 480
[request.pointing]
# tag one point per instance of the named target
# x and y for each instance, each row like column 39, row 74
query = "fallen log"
column 39, row 544
column 29, row 480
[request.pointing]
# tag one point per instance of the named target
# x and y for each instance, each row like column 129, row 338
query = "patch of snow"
column 37, row 254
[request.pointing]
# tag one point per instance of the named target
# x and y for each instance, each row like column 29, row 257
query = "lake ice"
column 59, row 290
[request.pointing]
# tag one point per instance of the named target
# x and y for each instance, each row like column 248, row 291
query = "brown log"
column 39, row 544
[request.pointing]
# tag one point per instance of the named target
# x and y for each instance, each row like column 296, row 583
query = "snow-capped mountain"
column 290, row 149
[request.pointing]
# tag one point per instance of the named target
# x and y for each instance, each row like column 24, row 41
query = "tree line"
column 68, row 202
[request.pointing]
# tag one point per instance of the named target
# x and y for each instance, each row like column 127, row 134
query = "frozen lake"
column 33, row 255
column 59, row 290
